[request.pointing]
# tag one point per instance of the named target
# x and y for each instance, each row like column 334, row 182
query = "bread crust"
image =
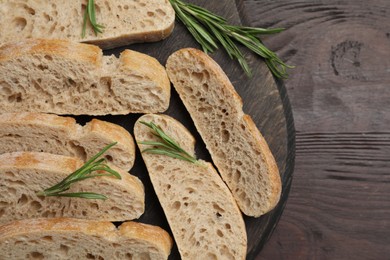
column 133, row 61
column 65, row 77
column 125, row 22
column 96, row 131
column 64, row 48
column 128, row 232
column 42, row 170
column 184, row 68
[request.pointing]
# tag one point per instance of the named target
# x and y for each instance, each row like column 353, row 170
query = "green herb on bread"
column 87, row 171
column 90, row 15
column 167, row 146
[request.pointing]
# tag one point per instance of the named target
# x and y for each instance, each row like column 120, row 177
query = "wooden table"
column 339, row 204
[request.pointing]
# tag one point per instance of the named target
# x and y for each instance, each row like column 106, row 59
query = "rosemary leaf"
column 170, row 154
column 90, row 14
column 168, row 146
column 211, row 30
column 84, row 24
column 84, row 172
column 84, row 195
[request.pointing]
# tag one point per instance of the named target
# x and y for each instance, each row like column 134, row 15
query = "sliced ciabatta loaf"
column 237, row 148
column 38, row 132
column 124, row 21
column 63, row 77
column 69, row 238
column 23, row 174
column 203, row 216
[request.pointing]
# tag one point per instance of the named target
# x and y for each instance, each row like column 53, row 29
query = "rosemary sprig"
column 209, row 29
column 84, row 172
column 90, row 14
column 167, row 146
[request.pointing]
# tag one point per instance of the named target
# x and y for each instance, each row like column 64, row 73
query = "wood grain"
column 339, row 204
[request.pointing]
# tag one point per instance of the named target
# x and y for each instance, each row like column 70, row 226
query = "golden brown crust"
column 112, row 132
column 149, row 233
column 88, row 82
column 27, row 118
column 39, row 161
column 153, row 235
column 65, row 48
column 123, row 40
column 150, row 69
column 270, row 163
column 104, row 131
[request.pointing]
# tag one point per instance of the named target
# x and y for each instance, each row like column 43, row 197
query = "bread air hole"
column 64, row 250
column 219, row 233
column 109, row 158
column 47, row 17
column 15, row 98
column 22, row 200
column 36, row 255
column 237, row 175
column 91, row 256
column 19, row 23
column 160, row 12
column 197, row 77
column 176, row 205
column 218, row 208
column 47, row 238
column 211, row 256
column 29, row 10
column 52, row 28
column 205, row 109
column 225, row 136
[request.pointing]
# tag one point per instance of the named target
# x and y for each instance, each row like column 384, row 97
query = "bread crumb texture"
column 38, row 132
column 63, row 77
column 64, row 238
column 23, row 174
column 239, row 151
column 203, row 216
column 125, row 21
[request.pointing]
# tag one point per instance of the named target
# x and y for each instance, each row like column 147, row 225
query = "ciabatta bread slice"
column 203, row 216
column 124, row 21
column 23, row 174
column 63, row 77
column 237, row 148
column 69, row 238
column 38, row 132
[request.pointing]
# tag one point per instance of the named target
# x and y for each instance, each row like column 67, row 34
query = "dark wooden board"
column 339, row 204
column 264, row 100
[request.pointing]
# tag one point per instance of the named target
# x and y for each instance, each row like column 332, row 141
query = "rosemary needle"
column 84, row 172
column 210, row 29
column 90, row 14
column 167, row 146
